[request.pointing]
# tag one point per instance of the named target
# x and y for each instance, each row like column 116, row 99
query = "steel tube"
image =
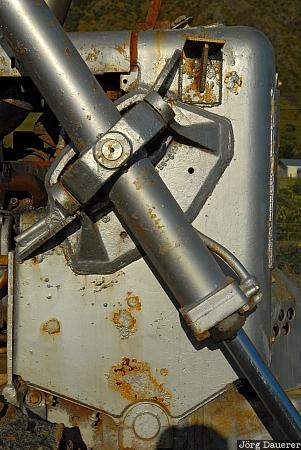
column 265, row 385
column 48, row 56
column 60, row 8
column 170, row 242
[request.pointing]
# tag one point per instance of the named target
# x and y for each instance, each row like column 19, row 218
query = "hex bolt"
column 111, row 149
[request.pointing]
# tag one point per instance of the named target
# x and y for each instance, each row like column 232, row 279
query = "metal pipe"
column 226, row 255
column 60, row 8
column 170, row 242
column 265, row 385
column 48, row 56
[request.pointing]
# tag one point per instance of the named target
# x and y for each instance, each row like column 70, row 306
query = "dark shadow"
column 72, row 439
column 194, row 437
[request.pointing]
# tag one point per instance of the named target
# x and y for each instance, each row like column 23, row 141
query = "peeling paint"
column 134, row 380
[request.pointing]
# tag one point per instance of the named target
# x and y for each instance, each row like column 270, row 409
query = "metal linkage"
column 265, row 385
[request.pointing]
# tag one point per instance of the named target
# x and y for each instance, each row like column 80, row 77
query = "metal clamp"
column 212, row 309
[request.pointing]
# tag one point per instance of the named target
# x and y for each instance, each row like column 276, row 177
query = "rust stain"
column 133, row 301
column 92, row 55
column 134, row 48
column 141, row 182
column 35, row 260
column 68, row 51
column 124, row 322
column 134, row 381
column 123, row 318
column 155, row 218
column 52, row 326
column 3, row 260
column 9, row 416
column 21, row 51
column 233, row 82
column 121, row 50
column 164, row 372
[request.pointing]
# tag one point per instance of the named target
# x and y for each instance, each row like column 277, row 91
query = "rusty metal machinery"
column 143, row 230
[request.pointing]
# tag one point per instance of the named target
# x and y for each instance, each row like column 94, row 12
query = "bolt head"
column 111, row 150
column 33, row 398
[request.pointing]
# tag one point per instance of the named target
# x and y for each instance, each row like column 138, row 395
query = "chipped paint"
column 123, row 318
column 134, row 381
column 52, row 326
column 133, row 301
column 233, row 82
column 124, row 322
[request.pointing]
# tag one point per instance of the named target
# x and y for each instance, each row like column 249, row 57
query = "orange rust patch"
column 133, row 301
column 134, row 48
column 35, row 260
column 124, row 322
column 93, row 55
column 52, row 326
column 134, row 381
column 164, row 372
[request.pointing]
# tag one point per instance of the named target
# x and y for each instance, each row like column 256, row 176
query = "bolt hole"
column 123, row 235
column 190, row 170
column 125, row 81
column 276, row 331
column 290, row 313
column 286, row 329
column 281, row 315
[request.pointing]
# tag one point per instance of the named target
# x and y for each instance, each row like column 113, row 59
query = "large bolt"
column 111, row 150
column 146, row 426
column 33, row 398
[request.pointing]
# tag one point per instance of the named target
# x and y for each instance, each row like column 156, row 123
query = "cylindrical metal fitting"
column 60, row 8
column 265, row 385
column 48, row 56
column 157, row 222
